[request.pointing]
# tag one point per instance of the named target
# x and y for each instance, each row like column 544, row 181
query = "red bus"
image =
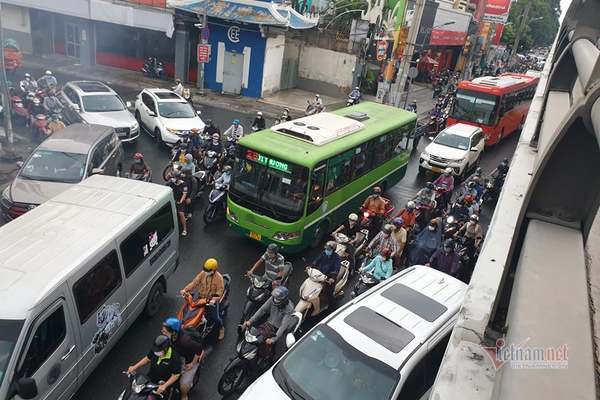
column 498, row 104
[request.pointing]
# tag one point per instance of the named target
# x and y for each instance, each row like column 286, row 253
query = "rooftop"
column 44, row 246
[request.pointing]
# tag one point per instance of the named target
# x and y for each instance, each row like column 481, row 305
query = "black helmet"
column 505, row 160
column 429, row 185
column 479, row 171
column 272, row 248
column 161, row 343
column 448, row 243
column 471, row 184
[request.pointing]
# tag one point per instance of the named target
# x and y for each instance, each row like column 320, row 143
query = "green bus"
column 295, row 182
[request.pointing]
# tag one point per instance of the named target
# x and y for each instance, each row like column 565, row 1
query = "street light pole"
column 6, row 98
column 513, row 53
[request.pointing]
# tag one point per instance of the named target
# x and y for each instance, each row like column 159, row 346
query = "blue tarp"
column 248, row 11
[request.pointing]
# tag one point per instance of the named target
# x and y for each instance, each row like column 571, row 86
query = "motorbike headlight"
column 489, row 185
column 250, row 354
column 238, row 348
column 137, row 388
column 450, row 219
column 286, row 235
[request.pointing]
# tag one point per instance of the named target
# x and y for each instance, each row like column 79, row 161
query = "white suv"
column 165, row 115
column 386, row 344
column 458, row 146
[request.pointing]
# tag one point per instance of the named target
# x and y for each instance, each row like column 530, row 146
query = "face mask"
column 138, row 161
column 376, row 194
column 431, row 228
column 447, row 249
column 215, row 141
column 159, row 353
column 328, row 252
column 173, row 180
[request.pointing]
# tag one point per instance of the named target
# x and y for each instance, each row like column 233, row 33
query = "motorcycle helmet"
column 448, row 171
column 236, row 121
column 36, row 101
column 387, row 229
column 330, row 245
column 398, row 221
column 161, row 343
column 27, row 75
column 448, row 244
column 172, row 324
column 317, row 96
column 48, row 73
column 505, row 161
column 471, row 184
column 410, row 205
column 138, row 156
column 189, row 157
column 211, row 264
column 259, row 113
column 429, row 185
column 356, row 88
column 474, row 218
column 280, row 295
column 177, row 80
column 226, row 168
column 272, row 248
column 353, row 217
column 479, row 171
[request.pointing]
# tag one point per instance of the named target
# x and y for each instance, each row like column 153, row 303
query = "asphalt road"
column 235, row 255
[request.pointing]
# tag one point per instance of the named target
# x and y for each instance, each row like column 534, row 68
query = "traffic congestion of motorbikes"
column 440, row 227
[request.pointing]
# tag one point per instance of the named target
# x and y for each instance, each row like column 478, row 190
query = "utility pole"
column 513, row 52
column 6, row 98
column 409, row 49
column 200, row 78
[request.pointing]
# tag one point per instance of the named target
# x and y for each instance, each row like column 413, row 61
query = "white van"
column 385, row 344
column 75, row 272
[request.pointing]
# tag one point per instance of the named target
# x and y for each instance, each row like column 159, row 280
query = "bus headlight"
column 286, row 235
column 232, row 215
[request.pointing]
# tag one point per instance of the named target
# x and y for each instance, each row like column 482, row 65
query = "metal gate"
column 233, row 70
column 73, row 37
column 289, row 73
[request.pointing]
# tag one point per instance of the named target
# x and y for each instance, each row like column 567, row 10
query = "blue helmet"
column 172, row 324
column 280, row 295
column 236, row 121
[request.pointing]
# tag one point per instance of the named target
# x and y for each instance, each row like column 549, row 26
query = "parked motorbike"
column 313, row 300
column 153, row 67
column 313, row 108
column 217, row 201
column 260, row 290
column 452, row 225
column 352, row 101
column 19, row 113
column 492, row 188
column 39, row 128
column 366, row 281
column 253, row 357
column 192, row 312
column 141, row 388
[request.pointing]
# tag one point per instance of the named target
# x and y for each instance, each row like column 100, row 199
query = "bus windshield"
column 477, row 107
column 272, row 187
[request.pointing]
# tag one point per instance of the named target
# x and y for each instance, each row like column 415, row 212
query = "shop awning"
column 248, row 11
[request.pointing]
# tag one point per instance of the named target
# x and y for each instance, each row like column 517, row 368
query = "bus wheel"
column 319, row 235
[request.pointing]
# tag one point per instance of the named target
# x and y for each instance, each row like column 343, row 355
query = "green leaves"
column 540, row 28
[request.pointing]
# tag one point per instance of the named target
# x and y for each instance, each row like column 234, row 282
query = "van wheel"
column 158, row 137
column 154, row 299
column 319, row 235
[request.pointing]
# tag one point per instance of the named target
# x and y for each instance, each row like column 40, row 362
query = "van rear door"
column 51, row 352
column 99, row 296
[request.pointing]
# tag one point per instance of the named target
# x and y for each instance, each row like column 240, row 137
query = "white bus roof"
column 501, row 81
column 321, row 128
column 414, row 304
column 43, row 247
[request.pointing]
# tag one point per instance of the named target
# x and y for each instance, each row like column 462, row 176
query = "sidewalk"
column 420, row 92
column 271, row 106
column 9, row 155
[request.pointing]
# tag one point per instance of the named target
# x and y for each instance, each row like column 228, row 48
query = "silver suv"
column 97, row 103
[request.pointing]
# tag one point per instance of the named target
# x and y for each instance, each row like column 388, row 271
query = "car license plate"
column 436, row 169
column 255, row 236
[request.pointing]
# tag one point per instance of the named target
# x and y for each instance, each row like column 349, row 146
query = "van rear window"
column 147, row 238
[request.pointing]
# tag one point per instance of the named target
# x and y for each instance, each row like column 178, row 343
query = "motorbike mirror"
column 19, row 164
column 198, row 112
column 290, row 339
column 27, row 388
column 128, row 104
column 96, row 171
column 75, row 107
column 430, row 138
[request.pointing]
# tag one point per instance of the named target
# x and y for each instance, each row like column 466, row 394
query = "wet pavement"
column 235, row 254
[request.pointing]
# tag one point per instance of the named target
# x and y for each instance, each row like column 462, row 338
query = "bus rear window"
column 269, row 186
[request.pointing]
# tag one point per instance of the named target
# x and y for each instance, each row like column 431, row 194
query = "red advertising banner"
column 497, row 11
column 440, row 37
column 203, row 53
column 498, row 35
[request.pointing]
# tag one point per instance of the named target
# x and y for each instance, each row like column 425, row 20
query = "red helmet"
column 138, row 156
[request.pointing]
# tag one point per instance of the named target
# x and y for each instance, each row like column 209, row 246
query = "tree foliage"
column 536, row 32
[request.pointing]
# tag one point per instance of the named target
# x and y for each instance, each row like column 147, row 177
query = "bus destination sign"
column 269, row 162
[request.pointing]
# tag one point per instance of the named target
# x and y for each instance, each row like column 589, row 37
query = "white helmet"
column 353, row 217
column 411, row 204
column 448, row 170
column 48, row 72
column 317, row 96
column 259, row 113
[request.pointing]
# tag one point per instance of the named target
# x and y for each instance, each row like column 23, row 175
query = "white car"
column 166, row 116
column 458, row 146
column 386, row 344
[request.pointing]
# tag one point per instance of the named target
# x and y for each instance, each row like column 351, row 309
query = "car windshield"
column 451, row 140
column 477, row 107
column 170, row 109
column 269, row 186
column 54, row 166
column 323, row 360
column 9, row 333
column 102, row 103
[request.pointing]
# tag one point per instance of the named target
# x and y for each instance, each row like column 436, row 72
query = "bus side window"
column 317, row 183
column 359, row 161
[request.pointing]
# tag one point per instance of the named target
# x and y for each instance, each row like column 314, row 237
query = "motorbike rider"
column 51, row 103
column 471, row 190
column 235, row 132
column 355, row 95
column 460, row 210
column 412, row 107
column 180, row 192
column 384, row 239
column 139, row 167
column 328, row 262
column 274, row 263
column 426, row 243
column 479, row 181
column 55, row 123
column 209, row 285
column 225, row 177
column 27, row 85
column 188, row 348
column 426, row 195
column 502, row 169
column 259, row 122
column 165, row 365
column 210, row 128
column 446, row 182
column 401, row 235
column 178, row 88
column 380, row 266
column 445, row 259
column 188, row 167
column 351, row 228
column 47, row 80
column 376, row 205
column 472, row 234
column 286, row 115
column 408, row 215
column 318, row 103
column 278, row 309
